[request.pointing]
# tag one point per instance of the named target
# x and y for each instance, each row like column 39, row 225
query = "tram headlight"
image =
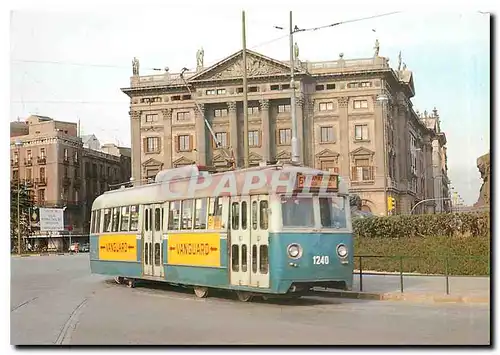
column 342, row 250
column 294, row 251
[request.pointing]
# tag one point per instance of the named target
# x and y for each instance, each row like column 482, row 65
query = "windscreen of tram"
column 299, row 212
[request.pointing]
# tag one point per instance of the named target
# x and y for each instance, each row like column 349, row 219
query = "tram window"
column 146, row 219
column 215, row 213
column 235, row 215
column 297, row 211
column 244, row 258
column 254, row 258
column 264, row 217
column 98, row 222
column 92, row 223
column 264, row 259
column 187, row 214
column 125, row 219
column 107, row 220
column 200, row 214
column 244, row 211
column 116, row 219
column 173, row 215
column 254, row 215
column 134, row 217
column 157, row 254
column 157, row 220
column 235, row 258
column 162, row 216
column 146, row 253
column 332, row 212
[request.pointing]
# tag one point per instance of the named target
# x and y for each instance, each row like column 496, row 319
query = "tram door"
column 153, row 238
column 249, row 253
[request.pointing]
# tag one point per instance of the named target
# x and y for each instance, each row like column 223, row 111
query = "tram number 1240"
column 321, row 260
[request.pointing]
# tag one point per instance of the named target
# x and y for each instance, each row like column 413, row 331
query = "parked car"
column 85, row 248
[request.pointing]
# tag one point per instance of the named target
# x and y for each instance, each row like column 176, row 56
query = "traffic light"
column 391, row 203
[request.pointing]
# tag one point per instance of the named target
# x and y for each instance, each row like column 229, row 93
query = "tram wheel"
column 119, row 280
column 244, row 296
column 201, row 292
column 131, row 283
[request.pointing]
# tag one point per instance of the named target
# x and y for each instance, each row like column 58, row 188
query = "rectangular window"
column 330, row 86
column 222, row 138
column 184, row 143
column 210, row 92
column 285, row 136
column 254, row 110
column 42, row 152
column 264, row 220
column 320, row 87
column 92, row 223
column 235, row 258
column 332, row 212
column 221, row 91
column 244, row 215
column 275, row 87
column 254, row 215
column 239, row 90
column 264, row 259
column 125, row 219
column 174, row 215
column 98, row 222
column 157, row 254
column 326, row 106
column 158, row 219
column 297, row 211
column 361, row 132
column 254, row 259
column 201, row 213
column 253, row 89
column 116, row 219
column 284, row 108
column 41, row 196
column 253, row 138
column 360, row 104
column 235, row 216
column 147, row 217
column 151, row 118
column 220, row 112
column 107, row 220
column 183, row 116
column 152, row 144
column 28, row 174
column 362, row 170
column 215, row 213
column 187, row 214
column 244, row 258
column 326, row 134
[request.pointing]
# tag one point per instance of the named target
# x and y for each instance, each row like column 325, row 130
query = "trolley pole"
column 245, row 93
column 18, row 213
column 295, row 142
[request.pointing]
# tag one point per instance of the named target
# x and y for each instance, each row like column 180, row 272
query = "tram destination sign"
column 195, row 249
column 118, row 247
column 315, row 182
column 51, row 219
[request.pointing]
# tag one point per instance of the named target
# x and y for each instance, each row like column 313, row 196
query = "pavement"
column 55, row 300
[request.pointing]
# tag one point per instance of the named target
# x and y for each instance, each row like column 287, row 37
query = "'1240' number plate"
column 321, row 260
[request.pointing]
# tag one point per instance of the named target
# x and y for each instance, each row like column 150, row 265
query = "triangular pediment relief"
column 152, row 162
column 183, row 161
column 284, row 155
column 254, row 157
column 327, row 153
column 258, row 65
column 362, row 151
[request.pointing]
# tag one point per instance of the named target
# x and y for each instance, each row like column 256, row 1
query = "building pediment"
column 327, row 153
column 258, row 65
column 253, row 157
column 284, row 155
column 362, row 151
column 183, row 161
column 152, row 163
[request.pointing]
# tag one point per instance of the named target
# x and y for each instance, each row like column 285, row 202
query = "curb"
column 42, row 254
column 409, row 297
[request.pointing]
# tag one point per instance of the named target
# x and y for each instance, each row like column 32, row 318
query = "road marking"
column 23, row 304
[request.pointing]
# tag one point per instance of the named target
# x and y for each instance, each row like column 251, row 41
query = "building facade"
column 49, row 158
column 343, row 125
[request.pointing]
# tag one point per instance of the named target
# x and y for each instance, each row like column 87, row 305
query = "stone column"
column 381, row 166
column 266, row 134
column 135, row 124
column 344, row 139
column 201, row 143
column 300, row 127
column 233, row 130
column 167, row 138
column 309, row 154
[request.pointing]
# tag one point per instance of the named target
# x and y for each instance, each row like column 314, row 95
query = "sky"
column 448, row 52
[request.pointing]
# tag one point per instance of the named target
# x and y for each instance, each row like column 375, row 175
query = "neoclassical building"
column 340, row 123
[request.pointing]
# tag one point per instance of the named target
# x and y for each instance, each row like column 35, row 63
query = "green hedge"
column 429, row 244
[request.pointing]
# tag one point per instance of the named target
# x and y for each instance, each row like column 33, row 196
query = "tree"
column 25, row 204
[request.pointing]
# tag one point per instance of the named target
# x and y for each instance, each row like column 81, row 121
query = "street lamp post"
column 295, row 142
column 18, row 146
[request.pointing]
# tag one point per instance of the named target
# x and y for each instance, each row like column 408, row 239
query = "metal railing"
column 401, row 273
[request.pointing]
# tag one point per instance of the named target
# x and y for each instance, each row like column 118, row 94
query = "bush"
column 459, row 242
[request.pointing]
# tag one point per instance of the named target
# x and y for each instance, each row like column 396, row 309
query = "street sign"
column 51, row 219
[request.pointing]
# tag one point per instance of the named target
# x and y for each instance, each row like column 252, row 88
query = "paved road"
column 67, row 305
